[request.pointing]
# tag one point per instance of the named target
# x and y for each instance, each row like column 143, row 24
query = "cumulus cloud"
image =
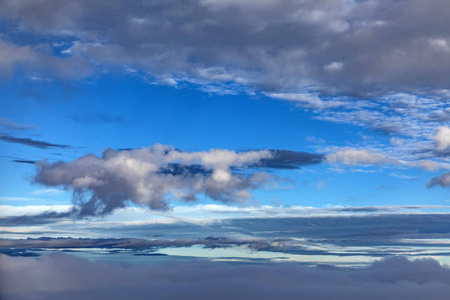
column 61, row 276
column 153, row 176
column 354, row 156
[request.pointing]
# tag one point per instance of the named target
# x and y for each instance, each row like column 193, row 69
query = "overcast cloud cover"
column 360, row 47
column 253, row 132
column 62, row 276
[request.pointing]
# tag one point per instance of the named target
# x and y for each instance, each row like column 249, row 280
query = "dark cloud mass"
column 61, row 276
column 153, row 176
column 362, row 47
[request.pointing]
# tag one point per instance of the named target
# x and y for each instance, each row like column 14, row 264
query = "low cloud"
column 62, row 276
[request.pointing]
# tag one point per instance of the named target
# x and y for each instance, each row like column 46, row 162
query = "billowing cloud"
column 356, row 46
column 153, row 176
column 354, row 156
column 62, row 276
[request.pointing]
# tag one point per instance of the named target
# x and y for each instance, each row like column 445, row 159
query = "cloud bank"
column 360, row 47
column 61, row 276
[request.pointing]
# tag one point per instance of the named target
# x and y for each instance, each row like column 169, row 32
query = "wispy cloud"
column 31, row 142
column 13, row 126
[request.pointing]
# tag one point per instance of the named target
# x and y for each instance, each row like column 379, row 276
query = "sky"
column 193, row 144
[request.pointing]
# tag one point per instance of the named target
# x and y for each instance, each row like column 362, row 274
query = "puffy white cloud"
column 441, row 138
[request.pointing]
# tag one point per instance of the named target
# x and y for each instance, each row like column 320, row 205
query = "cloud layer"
column 60, row 276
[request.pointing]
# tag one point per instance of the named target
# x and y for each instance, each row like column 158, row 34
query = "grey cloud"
column 285, row 159
column 362, row 47
column 328, row 56
column 32, row 220
column 31, row 142
column 153, row 176
column 126, row 243
column 440, row 116
column 24, row 161
column 62, row 276
column 441, row 180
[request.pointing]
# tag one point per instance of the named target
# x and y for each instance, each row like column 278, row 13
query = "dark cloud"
column 361, row 47
column 24, row 161
column 285, row 159
column 31, row 142
column 62, row 276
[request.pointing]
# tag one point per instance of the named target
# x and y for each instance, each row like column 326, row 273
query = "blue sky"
column 208, row 132
column 127, row 112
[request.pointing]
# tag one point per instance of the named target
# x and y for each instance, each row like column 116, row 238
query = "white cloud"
column 441, row 138
column 307, row 100
column 334, row 66
column 395, row 141
column 354, row 156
